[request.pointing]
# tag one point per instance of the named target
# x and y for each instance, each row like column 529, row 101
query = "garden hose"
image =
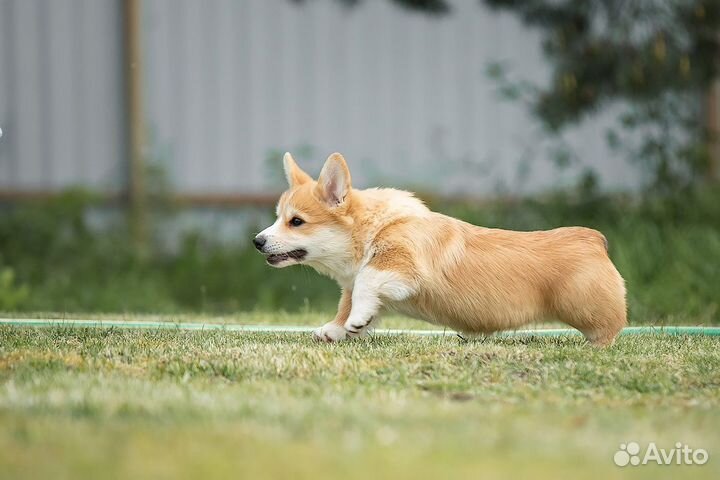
column 156, row 325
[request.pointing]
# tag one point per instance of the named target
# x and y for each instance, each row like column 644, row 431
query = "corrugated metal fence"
column 229, row 85
column 61, row 95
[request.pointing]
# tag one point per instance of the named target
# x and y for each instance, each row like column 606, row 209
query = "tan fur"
column 472, row 279
column 343, row 307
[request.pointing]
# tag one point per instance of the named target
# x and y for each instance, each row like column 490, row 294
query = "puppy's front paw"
column 359, row 329
column 330, row 332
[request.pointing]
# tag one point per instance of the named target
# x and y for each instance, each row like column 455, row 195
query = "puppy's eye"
column 296, row 221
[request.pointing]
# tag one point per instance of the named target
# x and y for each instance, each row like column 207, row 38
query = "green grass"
column 90, row 403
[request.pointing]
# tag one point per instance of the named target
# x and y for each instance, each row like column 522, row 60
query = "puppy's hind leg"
column 600, row 326
column 598, row 311
column 601, row 339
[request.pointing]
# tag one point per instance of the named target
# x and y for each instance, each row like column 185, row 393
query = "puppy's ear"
column 334, row 182
column 294, row 174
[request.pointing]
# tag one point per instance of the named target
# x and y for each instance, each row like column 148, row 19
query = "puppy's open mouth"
column 276, row 258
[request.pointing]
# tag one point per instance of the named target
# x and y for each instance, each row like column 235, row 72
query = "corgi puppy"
column 387, row 250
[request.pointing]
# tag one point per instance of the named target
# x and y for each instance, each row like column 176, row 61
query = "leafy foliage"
column 652, row 60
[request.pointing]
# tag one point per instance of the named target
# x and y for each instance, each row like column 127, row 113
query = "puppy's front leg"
column 334, row 331
column 365, row 305
column 370, row 286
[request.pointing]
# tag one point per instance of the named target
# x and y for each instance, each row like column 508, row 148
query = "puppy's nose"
column 259, row 241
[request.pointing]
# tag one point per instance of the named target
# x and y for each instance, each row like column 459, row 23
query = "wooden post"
column 713, row 124
column 135, row 121
column 713, row 127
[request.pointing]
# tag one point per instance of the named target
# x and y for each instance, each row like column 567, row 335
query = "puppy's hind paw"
column 330, row 332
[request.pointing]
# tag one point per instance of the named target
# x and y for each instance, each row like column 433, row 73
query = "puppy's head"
column 313, row 225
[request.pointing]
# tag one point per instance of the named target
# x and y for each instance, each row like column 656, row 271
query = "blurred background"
column 142, row 140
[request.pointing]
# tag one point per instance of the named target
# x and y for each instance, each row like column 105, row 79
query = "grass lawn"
column 85, row 403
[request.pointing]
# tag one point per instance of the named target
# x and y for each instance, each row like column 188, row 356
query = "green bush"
column 668, row 250
column 12, row 296
column 71, row 267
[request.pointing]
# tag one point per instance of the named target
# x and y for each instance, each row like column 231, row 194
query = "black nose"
column 259, row 241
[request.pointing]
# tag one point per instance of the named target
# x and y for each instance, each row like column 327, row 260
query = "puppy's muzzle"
column 260, row 242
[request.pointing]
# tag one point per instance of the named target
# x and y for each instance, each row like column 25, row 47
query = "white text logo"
column 630, row 454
